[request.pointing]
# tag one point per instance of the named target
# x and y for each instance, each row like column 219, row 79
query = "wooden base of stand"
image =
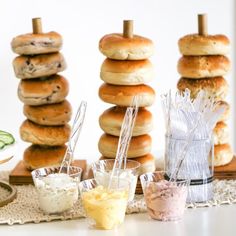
column 226, row 172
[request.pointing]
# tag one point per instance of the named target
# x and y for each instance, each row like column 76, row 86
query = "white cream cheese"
column 57, row 193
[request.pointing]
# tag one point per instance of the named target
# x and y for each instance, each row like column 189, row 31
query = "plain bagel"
column 221, row 133
column 123, row 95
column 115, row 46
column 147, row 163
column 139, row 146
column 111, row 120
column 127, row 72
column 223, row 154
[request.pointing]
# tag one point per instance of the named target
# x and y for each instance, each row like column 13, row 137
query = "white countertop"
column 214, row 221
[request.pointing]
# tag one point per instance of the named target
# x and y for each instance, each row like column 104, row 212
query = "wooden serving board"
column 227, row 171
column 20, row 175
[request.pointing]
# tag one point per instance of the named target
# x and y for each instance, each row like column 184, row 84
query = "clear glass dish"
column 165, row 200
column 104, row 208
column 57, row 192
column 102, row 172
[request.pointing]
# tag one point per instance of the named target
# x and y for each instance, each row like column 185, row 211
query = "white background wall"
column 82, row 24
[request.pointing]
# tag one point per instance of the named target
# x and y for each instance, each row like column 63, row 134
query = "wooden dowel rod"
column 202, row 24
column 37, row 25
column 128, row 28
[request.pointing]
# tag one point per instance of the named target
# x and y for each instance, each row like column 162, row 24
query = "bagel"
column 44, row 135
column 111, row 121
column 32, row 44
column 197, row 67
column 123, row 95
column 197, row 45
column 126, row 72
column 139, row 146
column 116, row 46
column 28, row 67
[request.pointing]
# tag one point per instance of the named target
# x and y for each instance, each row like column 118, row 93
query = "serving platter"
column 10, row 197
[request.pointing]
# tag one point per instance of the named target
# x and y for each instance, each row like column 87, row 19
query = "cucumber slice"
column 4, row 132
column 2, row 145
column 7, row 138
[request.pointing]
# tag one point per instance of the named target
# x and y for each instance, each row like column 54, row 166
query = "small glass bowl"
column 102, row 172
column 57, row 192
column 165, row 199
column 104, row 208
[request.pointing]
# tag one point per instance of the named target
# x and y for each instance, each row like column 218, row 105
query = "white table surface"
column 214, row 221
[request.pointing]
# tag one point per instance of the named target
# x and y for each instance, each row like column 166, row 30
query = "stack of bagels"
column 43, row 93
column 125, row 72
column 203, row 67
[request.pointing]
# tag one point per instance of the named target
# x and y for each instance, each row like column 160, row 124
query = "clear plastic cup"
column 165, row 200
column 104, row 208
column 102, row 171
column 57, row 192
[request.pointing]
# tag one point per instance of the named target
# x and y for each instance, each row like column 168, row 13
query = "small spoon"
column 75, row 132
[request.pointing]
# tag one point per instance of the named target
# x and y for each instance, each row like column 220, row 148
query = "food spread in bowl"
column 57, row 192
column 105, row 207
column 165, row 200
column 104, row 177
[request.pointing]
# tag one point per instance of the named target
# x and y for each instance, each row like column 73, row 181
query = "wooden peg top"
column 202, row 24
column 128, row 28
column 37, row 25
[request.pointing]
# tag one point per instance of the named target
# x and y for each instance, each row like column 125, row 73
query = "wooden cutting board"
column 20, row 175
column 227, row 171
